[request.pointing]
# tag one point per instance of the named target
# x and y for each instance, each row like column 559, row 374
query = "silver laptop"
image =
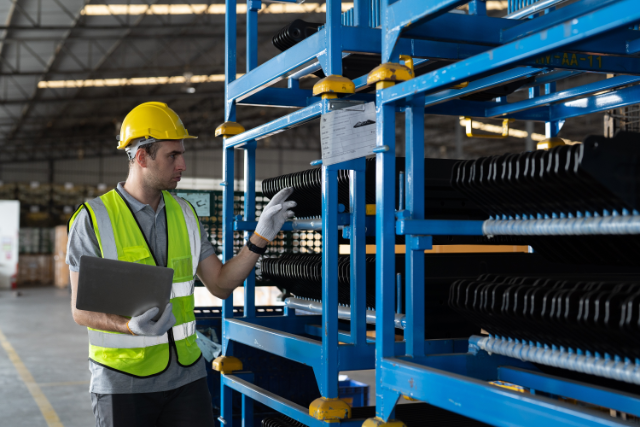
column 123, row 288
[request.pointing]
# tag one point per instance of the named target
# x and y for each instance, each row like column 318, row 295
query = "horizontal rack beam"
column 344, row 219
column 439, row 227
column 278, row 403
column 556, row 97
column 470, row 397
column 283, row 123
column 608, row 398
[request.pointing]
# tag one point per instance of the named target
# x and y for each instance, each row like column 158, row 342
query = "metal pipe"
column 344, row 312
column 534, row 8
column 600, row 225
column 607, row 367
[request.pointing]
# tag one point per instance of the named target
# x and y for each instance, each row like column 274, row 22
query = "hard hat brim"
column 124, row 145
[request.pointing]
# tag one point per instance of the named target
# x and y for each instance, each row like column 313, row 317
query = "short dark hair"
column 151, row 150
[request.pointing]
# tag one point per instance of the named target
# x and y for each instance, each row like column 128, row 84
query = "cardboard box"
column 35, row 270
column 60, row 267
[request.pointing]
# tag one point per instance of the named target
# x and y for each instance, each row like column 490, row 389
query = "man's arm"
column 83, row 241
column 91, row 319
column 221, row 279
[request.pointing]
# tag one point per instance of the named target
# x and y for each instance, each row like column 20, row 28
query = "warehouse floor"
column 43, row 362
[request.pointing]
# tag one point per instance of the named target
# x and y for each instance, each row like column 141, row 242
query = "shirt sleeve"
column 206, row 248
column 82, row 241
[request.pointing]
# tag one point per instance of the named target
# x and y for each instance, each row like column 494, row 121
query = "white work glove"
column 275, row 214
column 143, row 325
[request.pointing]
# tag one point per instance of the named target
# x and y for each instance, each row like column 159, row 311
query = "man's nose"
column 181, row 164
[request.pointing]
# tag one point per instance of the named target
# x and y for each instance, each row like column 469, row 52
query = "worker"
column 147, row 373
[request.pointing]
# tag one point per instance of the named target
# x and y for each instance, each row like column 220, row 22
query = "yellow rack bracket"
column 460, row 85
column 229, row 129
column 390, row 73
column 550, row 143
column 331, row 86
column 377, row 422
column 227, row 364
column 505, row 129
column 329, row 410
column 408, row 62
column 371, row 210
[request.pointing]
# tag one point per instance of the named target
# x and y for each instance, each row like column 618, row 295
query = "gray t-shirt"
column 83, row 241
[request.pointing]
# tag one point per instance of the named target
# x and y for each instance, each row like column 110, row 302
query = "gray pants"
column 189, row 405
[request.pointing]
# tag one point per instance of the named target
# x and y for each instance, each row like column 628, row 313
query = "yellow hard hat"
column 152, row 120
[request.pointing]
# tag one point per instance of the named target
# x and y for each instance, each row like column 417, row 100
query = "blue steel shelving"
column 534, row 40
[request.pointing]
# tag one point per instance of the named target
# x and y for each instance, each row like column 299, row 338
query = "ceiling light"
column 200, row 9
column 134, row 81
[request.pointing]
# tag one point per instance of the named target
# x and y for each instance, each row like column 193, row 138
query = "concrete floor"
column 39, row 327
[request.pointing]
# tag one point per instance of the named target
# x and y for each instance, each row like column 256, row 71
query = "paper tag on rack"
column 348, row 134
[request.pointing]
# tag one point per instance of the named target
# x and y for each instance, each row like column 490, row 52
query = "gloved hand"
column 275, row 214
column 143, row 325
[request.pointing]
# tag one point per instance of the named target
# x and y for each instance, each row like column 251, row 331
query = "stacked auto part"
column 441, row 200
column 591, row 312
column 598, row 178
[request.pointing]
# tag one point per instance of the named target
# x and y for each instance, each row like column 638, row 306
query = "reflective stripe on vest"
column 111, row 340
column 120, row 238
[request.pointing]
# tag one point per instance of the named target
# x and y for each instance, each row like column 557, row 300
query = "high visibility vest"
column 120, row 238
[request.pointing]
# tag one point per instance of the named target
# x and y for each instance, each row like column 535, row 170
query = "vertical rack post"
column 226, row 408
column 250, row 215
column 361, row 12
column 552, row 128
column 385, row 247
column 414, row 257
column 228, row 161
column 358, row 253
column 230, row 24
column 334, row 37
column 253, row 6
column 328, row 380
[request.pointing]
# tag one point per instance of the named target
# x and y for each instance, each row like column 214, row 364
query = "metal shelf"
column 595, row 36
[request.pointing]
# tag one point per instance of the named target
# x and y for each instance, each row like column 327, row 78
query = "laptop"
column 123, row 288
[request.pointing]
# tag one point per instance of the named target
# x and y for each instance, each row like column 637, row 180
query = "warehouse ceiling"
column 70, row 70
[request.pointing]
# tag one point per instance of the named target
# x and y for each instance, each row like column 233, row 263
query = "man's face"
column 165, row 171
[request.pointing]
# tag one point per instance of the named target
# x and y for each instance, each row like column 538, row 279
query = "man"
column 145, row 372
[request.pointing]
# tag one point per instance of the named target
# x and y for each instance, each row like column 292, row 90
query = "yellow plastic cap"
column 227, row 364
column 550, row 143
column 333, row 84
column 390, row 72
column 329, row 410
column 229, row 129
column 377, row 422
column 152, row 120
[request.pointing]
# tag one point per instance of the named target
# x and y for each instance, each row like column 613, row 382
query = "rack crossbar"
column 471, row 397
column 577, row 92
column 283, row 123
column 601, row 396
column 278, row 403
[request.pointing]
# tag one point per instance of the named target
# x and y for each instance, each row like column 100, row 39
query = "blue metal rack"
column 534, row 40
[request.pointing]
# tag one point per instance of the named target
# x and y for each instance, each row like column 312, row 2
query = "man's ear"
column 141, row 158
